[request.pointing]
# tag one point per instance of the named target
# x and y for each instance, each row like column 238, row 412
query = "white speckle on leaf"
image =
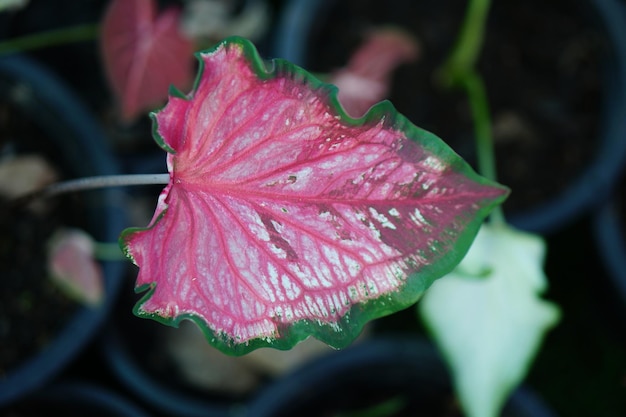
column 336, row 162
column 288, row 314
column 278, row 289
column 353, row 292
column 323, row 274
column 170, row 310
column 279, row 252
column 426, row 184
column 325, row 215
column 259, row 308
column 269, row 292
column 367, row 257
column 384, row 190
column 300, row 180
column 360, row 216
column 311, row 305
column 277, row 226
column 337, row 305
column 291, row 290
column 323, row 309
column 331, row 255
column 305, row 275
column 375, row 231
column 382, row 219
column 434, row 164
column 256, row 226
column 353, row 266
column 417, row 217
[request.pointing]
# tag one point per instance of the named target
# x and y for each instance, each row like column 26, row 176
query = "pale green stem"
column 50, row 38
column 469, row 42
column 103, row 181
column 110, row 251
column 459, row 70
column 91, row 183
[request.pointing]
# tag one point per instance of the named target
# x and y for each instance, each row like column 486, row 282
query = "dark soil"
column 541, row 66
column 32, row 308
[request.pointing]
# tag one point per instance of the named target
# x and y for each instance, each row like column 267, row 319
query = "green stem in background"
column 50, row 38
column 459, row 71
column 469, row 42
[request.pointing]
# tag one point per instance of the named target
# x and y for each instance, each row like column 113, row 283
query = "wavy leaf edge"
column 341, row 333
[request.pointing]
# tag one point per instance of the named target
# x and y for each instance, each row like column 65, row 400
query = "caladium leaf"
column 144, row 53
column 285, row 218
column 488, row 318
column 366, row 79
column 72, row 266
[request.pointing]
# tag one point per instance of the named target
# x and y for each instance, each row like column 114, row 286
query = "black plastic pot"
column 407, row 374
column 76, row 399
column 153, row 362
column 301, row 22
column 609, row 230
column 75, row 144
column 160, row 393
column 135, row 351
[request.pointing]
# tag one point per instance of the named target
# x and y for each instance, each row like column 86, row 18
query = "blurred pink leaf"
column 366, row 79
column 73, row 267
column 286, row 218
column 144, row 54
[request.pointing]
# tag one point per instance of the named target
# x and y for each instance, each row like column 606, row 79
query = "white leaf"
column 487, row 316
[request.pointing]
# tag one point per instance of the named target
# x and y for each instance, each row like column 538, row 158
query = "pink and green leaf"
column 286, row 218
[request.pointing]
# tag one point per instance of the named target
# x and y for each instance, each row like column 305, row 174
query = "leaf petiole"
column 92, row 183
column 108, row 251
column 104, row 181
